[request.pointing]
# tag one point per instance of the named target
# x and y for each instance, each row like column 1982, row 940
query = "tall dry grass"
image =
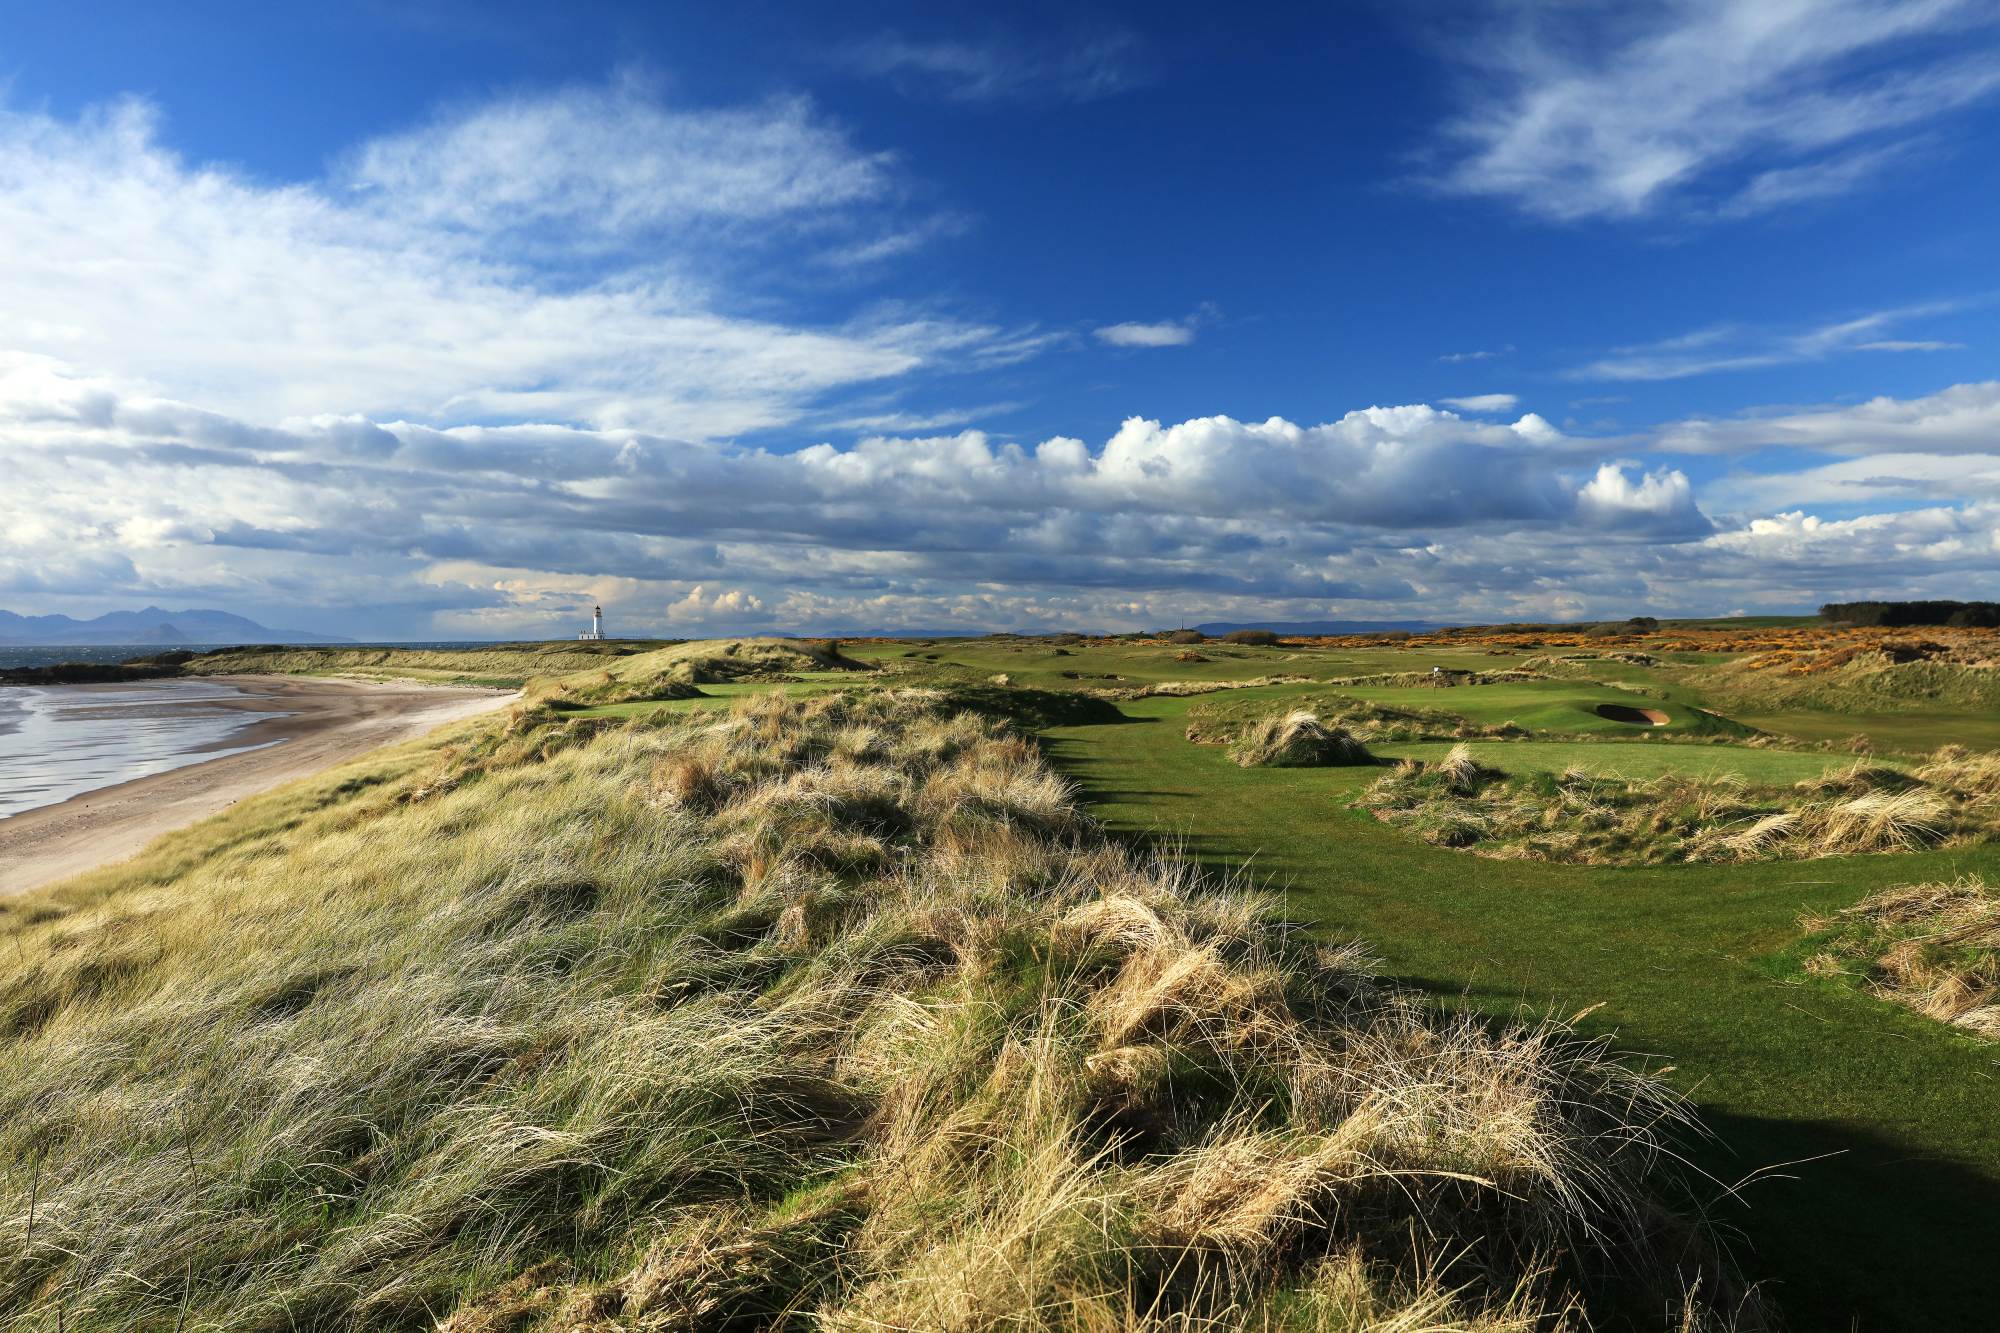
column 835, row 1013
column 1581, row 817
column 1297, row 739
column 1933, row 948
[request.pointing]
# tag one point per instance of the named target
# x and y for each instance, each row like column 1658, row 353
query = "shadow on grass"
column 1849, row 1229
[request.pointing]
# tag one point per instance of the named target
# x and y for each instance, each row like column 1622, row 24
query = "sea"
column 59, row 741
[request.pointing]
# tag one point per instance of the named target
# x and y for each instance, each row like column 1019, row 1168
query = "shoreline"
column 309, row 723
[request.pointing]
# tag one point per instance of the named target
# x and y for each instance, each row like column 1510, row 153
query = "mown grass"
column 832, row 1012
column 1885, row 1117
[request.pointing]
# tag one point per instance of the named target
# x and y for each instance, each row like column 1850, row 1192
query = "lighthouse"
column 596, row 630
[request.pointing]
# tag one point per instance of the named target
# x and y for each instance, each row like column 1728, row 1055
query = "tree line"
column 1958, row 615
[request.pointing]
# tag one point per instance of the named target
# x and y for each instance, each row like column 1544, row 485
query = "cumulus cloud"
column 1612, row 498
column 1484, row 402
column 1592, row 111
column 509, row 526
column 701, row 606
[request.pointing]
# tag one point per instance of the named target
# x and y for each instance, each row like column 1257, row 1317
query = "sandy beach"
column 322, row 722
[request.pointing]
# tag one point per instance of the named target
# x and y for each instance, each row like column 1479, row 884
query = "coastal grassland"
column 834, row 1011
column 503, row 665
column 571, row 671
column 1864, row 1124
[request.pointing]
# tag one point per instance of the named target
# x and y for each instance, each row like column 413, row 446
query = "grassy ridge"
column 507, row 665
column 837, row 1006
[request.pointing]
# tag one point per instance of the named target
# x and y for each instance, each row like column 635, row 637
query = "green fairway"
column 1632, row 759
column 1889, row 733
column 1886, row 1212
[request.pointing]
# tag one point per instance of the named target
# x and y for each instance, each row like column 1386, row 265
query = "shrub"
column 1187, row 636
column 1259, row 638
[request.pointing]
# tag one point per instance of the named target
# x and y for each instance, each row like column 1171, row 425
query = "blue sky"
column 435, row 320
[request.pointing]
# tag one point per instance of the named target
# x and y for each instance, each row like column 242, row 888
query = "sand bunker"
column 1637, row 717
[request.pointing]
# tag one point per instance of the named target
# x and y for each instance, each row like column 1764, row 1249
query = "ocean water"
column 63, row 740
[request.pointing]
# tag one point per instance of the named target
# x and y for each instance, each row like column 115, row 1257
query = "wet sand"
column 322, row 723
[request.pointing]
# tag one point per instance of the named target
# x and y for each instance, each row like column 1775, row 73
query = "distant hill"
column 1309, row 628
column 150, row 626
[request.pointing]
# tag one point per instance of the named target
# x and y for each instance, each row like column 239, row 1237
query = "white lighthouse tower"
column 596, row 630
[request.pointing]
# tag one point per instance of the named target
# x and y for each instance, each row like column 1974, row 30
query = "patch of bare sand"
column 322, row 723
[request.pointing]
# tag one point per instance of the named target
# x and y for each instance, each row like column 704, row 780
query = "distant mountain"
column 1309, row 628
column 150, row 626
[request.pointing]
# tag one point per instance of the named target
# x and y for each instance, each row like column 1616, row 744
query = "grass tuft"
column 1297, row 740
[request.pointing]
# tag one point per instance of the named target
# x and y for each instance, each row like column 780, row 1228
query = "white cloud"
column 1171, row 333
column 1874, row 553
column 406, row 292
column 1964, row 418
column 1596, row 111
column 1481, row 355
column 1726, row 348
column 473, row 528
column 1611, row 497
column 1871, row 480
column 1072, row 68
column 609, row 163
column 702, row 606
column 1785, row 187
column 1484, row 402
column 1909, row 345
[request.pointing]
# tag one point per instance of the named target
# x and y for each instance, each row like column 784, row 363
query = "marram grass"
column 832, row 1013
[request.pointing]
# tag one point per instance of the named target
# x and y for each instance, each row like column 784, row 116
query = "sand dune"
column 324, row 723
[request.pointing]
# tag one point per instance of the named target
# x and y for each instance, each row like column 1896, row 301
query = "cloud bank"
column 153, row 495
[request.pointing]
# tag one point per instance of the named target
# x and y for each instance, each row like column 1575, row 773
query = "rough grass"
column 507, row 663
column 1646, row 758
column 1932, row 948
column 1297, row 739
column 832, row 1012
column 1863, row 677
column 1585, row 817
